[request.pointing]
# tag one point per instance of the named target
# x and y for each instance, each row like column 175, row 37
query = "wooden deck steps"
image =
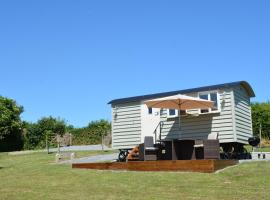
column 206, row 166
column 133, row 155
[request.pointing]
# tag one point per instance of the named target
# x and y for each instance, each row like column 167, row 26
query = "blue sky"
column 69, row 58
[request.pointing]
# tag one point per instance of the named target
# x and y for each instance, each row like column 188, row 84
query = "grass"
column 35, row 176
column 263, row 149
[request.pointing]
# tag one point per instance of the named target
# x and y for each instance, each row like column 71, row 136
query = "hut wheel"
column 122, row 155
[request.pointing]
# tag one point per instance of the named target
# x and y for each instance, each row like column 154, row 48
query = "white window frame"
column 209, row 98
column 176, row 113
column 149, row 110
column 172, row 116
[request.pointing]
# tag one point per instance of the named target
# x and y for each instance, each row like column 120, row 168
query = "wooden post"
column 160, row 127
column 58, row 147
column 102, row 141
column 47, row 145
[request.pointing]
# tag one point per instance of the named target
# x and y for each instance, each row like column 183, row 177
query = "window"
column 183, row 112
column 172, row 113
column 212, row 96
column 150, row 111
column 204, row 96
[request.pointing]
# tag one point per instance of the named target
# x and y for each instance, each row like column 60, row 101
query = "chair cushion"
column 198, row 145
column 212, row 136
column 151, row 148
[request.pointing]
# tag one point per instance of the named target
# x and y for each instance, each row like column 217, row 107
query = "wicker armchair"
column 207, row 149
column 150, row 151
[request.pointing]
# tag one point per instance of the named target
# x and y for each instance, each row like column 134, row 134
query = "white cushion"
column 151, row 148
column 198, row 145
column 212, row 136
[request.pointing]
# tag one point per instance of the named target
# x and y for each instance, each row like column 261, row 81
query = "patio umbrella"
column 179, row 102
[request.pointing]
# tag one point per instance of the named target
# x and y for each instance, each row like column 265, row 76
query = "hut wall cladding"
column 126, row 125
column 243, row 121
column 198, row 127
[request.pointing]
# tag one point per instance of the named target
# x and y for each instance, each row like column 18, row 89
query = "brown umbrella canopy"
column 180, row 102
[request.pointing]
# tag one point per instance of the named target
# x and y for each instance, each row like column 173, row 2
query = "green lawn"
column 263, row 149
column 35, row 176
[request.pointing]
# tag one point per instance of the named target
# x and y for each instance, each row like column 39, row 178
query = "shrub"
column 91, row 134
column 47, row 127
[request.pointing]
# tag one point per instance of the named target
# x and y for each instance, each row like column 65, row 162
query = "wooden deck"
column 206, row 166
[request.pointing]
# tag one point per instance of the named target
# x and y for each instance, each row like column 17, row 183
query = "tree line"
column 261, row 119
column 16, row 134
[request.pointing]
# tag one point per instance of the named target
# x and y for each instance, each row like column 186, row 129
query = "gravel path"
column 92, row 159
column 81, row 148
column 70, row 148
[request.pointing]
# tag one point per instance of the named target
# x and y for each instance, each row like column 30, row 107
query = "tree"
column 100, row 127
column 11, row 126
column 45, row 128
column 54, row 125
column 261, row 115
column 92, row 133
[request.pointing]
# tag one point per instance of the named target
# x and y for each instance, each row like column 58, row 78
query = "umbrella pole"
column 179, row 121
column 179, row 112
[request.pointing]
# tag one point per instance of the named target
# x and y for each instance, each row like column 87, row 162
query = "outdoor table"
column 178, row 149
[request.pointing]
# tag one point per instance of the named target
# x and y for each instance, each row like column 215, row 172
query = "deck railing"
column 158, row 129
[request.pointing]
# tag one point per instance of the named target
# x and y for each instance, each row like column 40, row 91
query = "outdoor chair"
column 207, row 149
column 211, row 136
column 150, row 151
